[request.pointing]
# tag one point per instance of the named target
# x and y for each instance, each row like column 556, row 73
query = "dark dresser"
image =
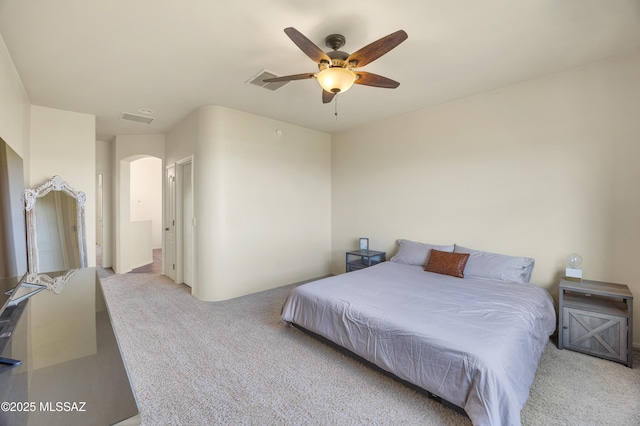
column 71, row 370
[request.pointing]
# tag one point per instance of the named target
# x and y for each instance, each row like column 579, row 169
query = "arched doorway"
column 145, row 192
column 138, row 212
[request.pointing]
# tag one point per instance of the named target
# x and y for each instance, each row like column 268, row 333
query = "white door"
column 170, row 224
column 187, row 224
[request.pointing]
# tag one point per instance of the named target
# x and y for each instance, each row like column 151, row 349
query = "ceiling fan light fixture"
column 336, row 79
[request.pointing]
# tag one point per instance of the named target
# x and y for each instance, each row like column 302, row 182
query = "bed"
column 474, row 341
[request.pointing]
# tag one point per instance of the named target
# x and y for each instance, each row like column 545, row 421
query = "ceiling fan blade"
column 290, row 77
column 327, row 96
column 373, row 51
column 375, row 80
column 306, row 45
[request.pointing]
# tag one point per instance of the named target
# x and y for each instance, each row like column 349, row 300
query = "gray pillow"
column 495, row 266
column 415, row 253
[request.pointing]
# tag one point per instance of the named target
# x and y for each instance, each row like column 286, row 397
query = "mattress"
column 473, row 342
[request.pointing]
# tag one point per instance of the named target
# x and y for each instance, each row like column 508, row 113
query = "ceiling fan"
column 337, row 73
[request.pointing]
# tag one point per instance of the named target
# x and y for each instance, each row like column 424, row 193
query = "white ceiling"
column 113, row 56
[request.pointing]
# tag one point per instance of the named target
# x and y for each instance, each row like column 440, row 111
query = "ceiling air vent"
column 138, row 118
column 258, row 80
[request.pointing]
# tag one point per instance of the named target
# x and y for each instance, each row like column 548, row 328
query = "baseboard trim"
column 142, row 264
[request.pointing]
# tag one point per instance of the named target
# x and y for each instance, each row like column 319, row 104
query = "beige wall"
column 50, row 141
column 541, row 169
column 262, row 204
column 15, row 108
column 64, row 143
column 182, row 139
column 146, row 195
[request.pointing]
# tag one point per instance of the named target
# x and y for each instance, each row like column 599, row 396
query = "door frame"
column 169, row 253
column 100, row 209
column 179, row 206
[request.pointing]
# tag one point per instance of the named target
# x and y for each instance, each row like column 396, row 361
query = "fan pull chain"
column 336, row 107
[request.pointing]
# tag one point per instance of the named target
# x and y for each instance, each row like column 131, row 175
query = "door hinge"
column 174, row 266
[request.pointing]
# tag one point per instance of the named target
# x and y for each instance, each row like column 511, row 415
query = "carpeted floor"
column 236, row 362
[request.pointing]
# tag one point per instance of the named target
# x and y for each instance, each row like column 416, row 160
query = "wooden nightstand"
column 596, row 318
column 365, row 258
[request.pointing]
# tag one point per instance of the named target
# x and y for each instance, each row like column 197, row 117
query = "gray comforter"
column 474, row 342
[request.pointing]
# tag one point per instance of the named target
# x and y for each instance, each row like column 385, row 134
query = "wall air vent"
column 258, row 80
column 138, row 118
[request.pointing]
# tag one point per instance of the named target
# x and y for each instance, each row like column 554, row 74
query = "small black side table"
column 365, row 258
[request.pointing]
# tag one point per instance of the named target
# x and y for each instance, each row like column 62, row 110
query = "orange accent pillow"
column 442, row 262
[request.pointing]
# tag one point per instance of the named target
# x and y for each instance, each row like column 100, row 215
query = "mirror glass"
column 55, row 227
column 58, row 247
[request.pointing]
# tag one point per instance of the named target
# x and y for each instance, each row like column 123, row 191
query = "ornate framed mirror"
column 56, row 233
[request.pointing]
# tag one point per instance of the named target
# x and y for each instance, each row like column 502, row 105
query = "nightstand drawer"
column 361, row 259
